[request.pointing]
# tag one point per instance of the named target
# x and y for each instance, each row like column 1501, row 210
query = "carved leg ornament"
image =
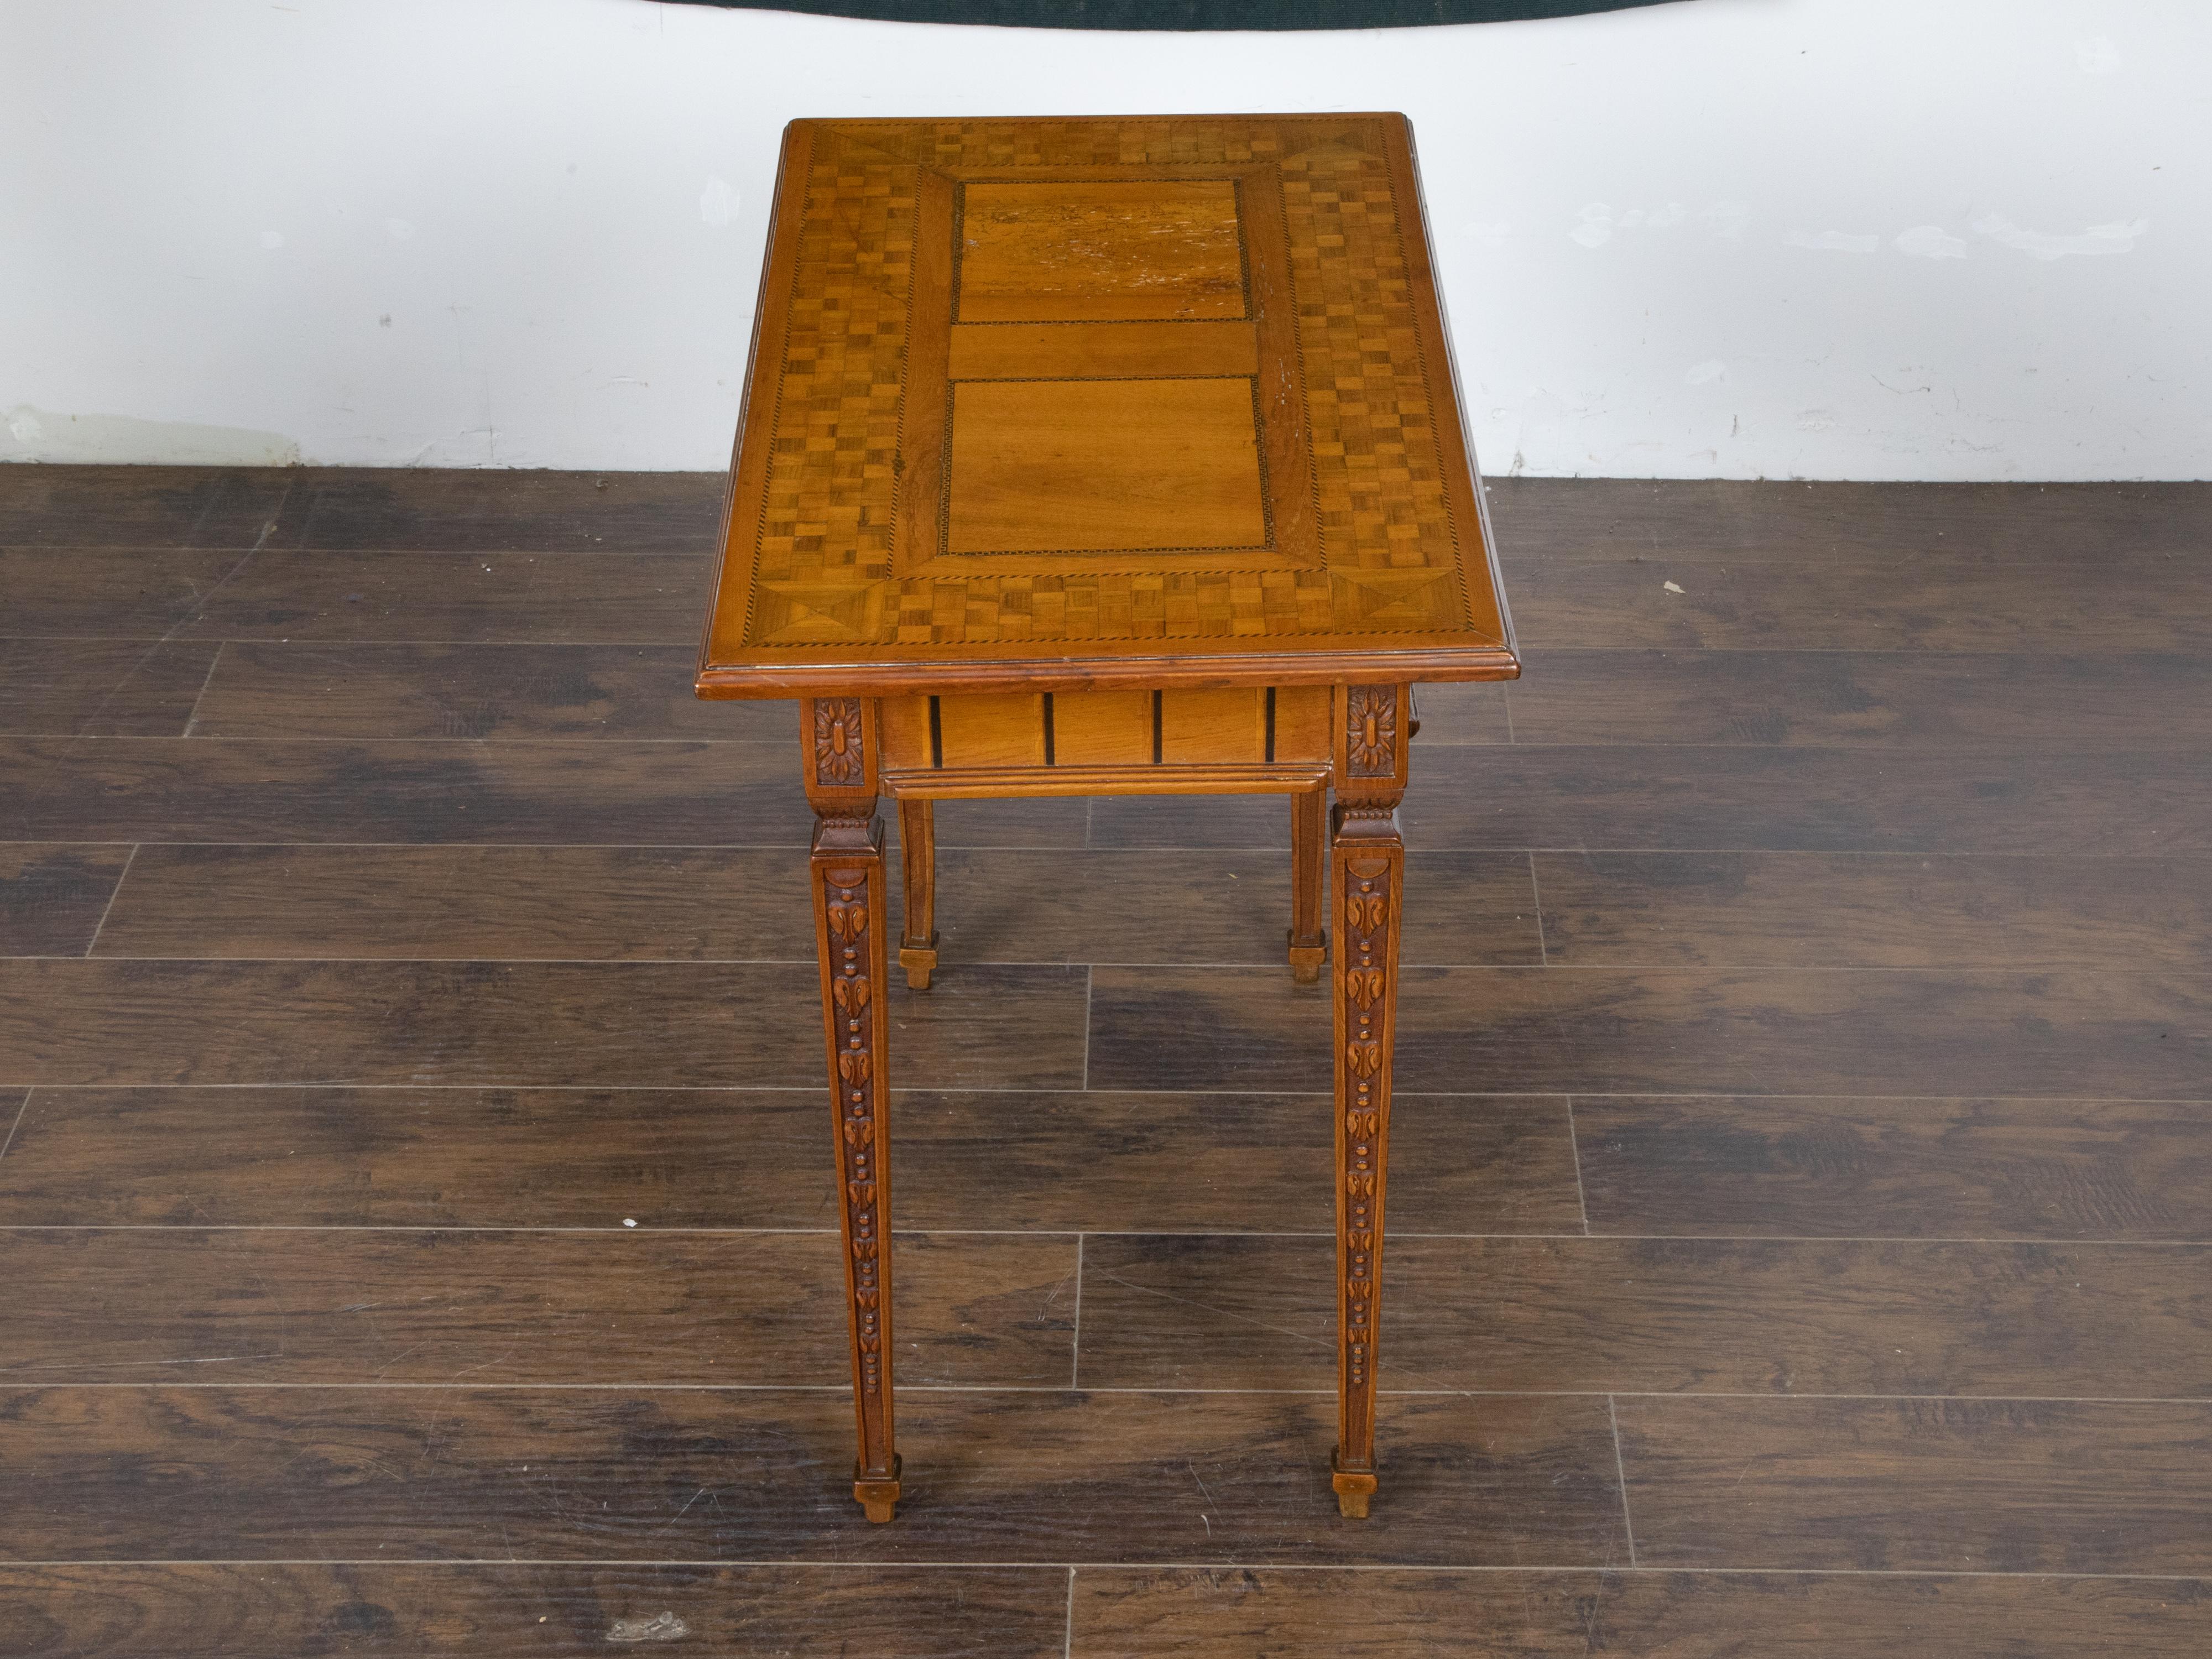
column 848, row 903
column 848, row 867
column 1367, row 877
column 1309, row 859
column 918, row 854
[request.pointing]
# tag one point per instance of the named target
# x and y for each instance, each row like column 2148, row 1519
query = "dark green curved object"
column 1191, row 15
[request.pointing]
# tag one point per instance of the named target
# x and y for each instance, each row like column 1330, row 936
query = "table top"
column 1054, row 404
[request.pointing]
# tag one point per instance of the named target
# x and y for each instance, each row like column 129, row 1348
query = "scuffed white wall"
column 1865, row 238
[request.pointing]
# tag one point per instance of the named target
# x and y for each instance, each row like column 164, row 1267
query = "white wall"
column 1871, row 238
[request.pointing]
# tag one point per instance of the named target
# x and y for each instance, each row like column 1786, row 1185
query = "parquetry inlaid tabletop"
column 1046, row 403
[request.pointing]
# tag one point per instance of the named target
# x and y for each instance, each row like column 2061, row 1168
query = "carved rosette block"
column 838, row 759
column 1370, row 730
column 848, row 871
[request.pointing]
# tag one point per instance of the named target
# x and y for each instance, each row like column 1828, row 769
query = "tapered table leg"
column 1370, row 866
column 838, row 737
column 849, row 919
column 1367, row 872
column 918, row 854
column 1308, row 855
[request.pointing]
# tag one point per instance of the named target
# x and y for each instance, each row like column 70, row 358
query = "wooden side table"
column 1102, row 457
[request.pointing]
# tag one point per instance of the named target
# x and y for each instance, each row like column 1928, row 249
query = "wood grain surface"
column 1874, row 599
column 1143, row 1613
column 2072, row 1032
column 1952, row 1485
column 1882, row 910
column 1888, row 699
column 1901, row 1168
column 658, row 1025
column 52, row 895
column 1662, row 1315
column 593, row 1158
column 283, row 594
column 273, row 688
column 611, row 1304
column 2029, row 798
column 101, row 688
column 494, row 1611
column 1801, row 1143
column 187, row 1610
column 642, row 1474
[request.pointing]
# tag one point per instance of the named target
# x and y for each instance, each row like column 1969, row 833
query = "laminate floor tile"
column 1884, row 699
column 1065, row 1162
column 1977, row 1485
column 1267, row 1614
column 1903, row 1168
column 1874, row 910
column 627, row 599
column 993, row 904
column 550, row 1611
column 612, row 1305
column 358, row 693
column 1877, row 599
column 701, row 1475
column 142, row 506
column 610, row 1024
column 1661, row 1316
column 1641, row 1031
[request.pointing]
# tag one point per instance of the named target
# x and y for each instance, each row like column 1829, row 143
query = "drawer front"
column 1243, row 729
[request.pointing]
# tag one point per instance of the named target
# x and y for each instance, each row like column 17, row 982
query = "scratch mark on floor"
column 688, row 1503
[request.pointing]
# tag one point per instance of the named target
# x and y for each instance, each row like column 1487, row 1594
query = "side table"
column 1103, row 456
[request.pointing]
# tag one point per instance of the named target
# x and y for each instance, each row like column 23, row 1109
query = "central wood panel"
column 1065, row 466
column 1102, row 398
column 1123, row 252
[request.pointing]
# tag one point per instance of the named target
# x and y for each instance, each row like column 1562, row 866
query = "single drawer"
column 1275, row 726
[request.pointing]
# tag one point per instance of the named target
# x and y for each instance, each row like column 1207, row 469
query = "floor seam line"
column 1158, row 1391
column 1217, row 1564
column 907, row 1230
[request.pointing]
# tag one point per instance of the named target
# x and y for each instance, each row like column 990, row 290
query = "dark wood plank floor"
column 415, row 1208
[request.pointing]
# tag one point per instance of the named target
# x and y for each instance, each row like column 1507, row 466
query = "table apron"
column 946, row 784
